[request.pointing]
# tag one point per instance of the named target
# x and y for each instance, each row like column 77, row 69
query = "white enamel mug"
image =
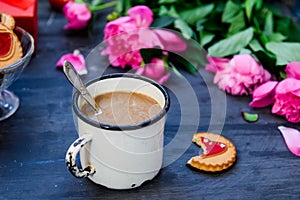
column 119, row 157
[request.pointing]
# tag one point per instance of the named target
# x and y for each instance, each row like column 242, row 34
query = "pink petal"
column 288, row 85
column 292, row 139
column 261, row 103
column 170, row 41
column 142, row 14
column 267, row 76
column 264, row 89
column 149, row 39
column 245, row 64
column 296, row 92
column 67, row 7
column 77, row 61
column 293, row 70
column 116, row 26
column 211, row 67
column 276, row 109
column 216, row 64
column 264, row 95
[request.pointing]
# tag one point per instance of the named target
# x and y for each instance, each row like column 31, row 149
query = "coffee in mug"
column 123, row 108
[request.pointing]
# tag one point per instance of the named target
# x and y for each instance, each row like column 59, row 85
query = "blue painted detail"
column 78, row 142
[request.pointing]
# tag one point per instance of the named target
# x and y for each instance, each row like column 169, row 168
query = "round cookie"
column 218, row 153
column 10, row 46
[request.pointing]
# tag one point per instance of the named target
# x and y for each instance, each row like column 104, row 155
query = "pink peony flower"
column 139, row 17
column 77, row 61
column 241, row 75
column 125, row 36
column 155, row 70
column 78, row 15
column 123, row 49
column 287, row 100
column 264, row 95
column 293, row 70
column 124, row 39
column 285, row 95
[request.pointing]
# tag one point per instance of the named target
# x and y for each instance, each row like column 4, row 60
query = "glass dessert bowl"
column 9, row 102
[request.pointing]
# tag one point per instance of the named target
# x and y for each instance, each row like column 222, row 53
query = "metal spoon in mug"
column 77, row 83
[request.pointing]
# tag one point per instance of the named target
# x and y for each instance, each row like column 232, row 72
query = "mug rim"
column 152, row 120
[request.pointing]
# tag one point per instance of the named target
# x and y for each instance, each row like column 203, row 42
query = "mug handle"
column 71, row 158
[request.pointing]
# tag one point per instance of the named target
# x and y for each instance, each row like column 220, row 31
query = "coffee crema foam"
column 123, row 108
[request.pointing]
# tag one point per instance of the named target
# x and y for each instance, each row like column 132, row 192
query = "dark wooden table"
column 33, row 142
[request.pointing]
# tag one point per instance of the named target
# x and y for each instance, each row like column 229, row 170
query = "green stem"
column 262, row 36
column 256, row 24
column 103, row 6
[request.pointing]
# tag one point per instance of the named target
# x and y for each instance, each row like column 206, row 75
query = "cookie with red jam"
column 218, row 154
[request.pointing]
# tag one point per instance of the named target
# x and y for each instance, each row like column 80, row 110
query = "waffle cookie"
column 218, row 153
column 10, row 46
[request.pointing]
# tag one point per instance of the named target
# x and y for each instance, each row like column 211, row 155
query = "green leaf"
column 259, row 4
column 231, row 9
column 250, row 117
column 268, row 29
column 184, row 28
column 163, row 21
column 249, row 4
column 285, row 52
column 206, row 37
column 191, row 16
column 94, row 8
column 119, row 7
column 126, row 5
column 199, row 24
column 231, row 45
column 163, row 11
column 173, row 12
column 277, row 37
column 166, row 1
column 245, row 51
column 255, row 45
column 263, row 38
column 237, row 24
column 96, row 2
